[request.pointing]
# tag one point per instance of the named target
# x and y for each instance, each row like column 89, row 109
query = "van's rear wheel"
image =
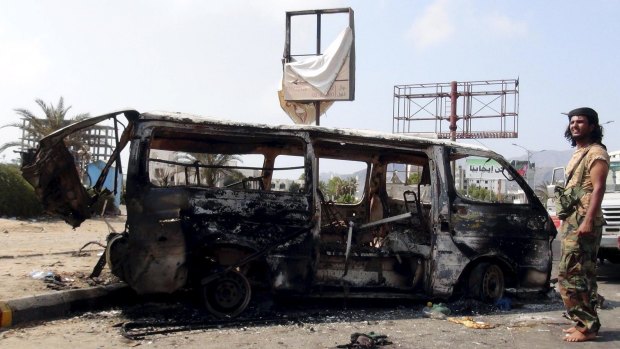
column 486, row 282
column 228, row 295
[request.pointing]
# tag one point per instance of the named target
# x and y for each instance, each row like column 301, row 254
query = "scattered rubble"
column 73, row 280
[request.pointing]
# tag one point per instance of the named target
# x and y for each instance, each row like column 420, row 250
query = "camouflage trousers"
column 577, row 273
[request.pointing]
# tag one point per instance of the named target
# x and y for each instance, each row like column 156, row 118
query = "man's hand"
column 585, row 228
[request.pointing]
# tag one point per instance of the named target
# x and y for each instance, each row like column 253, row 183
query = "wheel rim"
column 493, row 283
column 486, row 282
column 228, row 295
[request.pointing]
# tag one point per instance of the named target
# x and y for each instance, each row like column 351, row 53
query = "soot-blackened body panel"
column 249, row 220
column 517, row 234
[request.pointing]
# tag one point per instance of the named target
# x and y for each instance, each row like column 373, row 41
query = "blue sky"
column 223, row 58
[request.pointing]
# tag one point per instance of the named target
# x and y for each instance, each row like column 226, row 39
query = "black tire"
column 486, row 282
column 228, row 295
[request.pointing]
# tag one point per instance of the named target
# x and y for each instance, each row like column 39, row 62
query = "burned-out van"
column 230, row 208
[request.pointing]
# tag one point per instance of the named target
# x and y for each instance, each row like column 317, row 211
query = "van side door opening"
column 380, row 241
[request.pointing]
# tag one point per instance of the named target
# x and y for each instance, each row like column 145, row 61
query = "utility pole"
column 529, row 154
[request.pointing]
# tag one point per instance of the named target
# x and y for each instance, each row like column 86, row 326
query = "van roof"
column 336, row 131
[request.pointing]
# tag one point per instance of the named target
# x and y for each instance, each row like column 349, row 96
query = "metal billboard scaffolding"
column 485, row 109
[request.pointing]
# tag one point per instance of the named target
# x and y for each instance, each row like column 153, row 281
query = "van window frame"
column 203, row 134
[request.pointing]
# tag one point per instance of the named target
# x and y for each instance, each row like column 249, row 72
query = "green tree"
column 294, row 188
column 54, row 118
column 340, row 190
column 215, row 169
column 479, row 193
column 164, row 176
column 17, row 198
column 414, row 178
column 541, row 192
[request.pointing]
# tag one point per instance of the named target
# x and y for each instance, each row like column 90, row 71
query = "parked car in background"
column 610, row 242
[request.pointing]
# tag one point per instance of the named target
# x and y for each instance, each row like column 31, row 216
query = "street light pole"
column 529, row 163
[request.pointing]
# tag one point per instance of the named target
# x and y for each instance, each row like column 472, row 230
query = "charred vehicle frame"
column 205, row 211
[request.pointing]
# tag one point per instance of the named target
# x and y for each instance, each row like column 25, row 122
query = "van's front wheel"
column 228, row 295
column 486, row 282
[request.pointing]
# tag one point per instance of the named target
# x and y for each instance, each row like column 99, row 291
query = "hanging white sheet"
column 321, row 71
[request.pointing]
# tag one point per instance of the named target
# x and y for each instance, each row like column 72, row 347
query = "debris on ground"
column 368, row 340
column 69, row 281
column 436, row 311
column 469, row 322
column 106, row 314
column 504, row 304
column 41, row 275
column 82, row 253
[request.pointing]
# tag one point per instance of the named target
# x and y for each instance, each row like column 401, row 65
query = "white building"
column 281, row 184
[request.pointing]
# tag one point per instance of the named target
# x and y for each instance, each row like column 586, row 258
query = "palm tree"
column 54, row 118
column 340, row 190
column 164, row 176
column 214, row 172
column 541, row 192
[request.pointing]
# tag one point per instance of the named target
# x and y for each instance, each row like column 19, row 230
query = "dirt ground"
column 33, row 248
column 39, row 256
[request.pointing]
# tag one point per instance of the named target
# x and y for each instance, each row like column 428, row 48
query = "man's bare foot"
column 577, row 336
column 569, row 330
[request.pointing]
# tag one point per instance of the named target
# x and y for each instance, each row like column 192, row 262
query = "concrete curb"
column 58, row 304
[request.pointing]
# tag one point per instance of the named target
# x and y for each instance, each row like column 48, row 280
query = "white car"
column 610, row 242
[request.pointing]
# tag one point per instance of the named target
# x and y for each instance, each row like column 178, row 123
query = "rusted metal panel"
column 54, row 175
column 57, row 184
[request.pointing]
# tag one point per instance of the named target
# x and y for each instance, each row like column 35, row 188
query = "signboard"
column 521, row 167
column 302, row 113
column 323, row 75
column 485, row 169
column 340, row 90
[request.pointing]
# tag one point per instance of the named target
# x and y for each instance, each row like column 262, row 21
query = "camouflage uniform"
column 577, row 269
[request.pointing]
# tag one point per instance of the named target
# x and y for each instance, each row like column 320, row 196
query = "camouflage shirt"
column 595, row 152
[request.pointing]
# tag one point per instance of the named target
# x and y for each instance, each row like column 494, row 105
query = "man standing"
column 581, row 230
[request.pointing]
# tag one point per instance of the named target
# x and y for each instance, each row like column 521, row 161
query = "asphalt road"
column 536, row 324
